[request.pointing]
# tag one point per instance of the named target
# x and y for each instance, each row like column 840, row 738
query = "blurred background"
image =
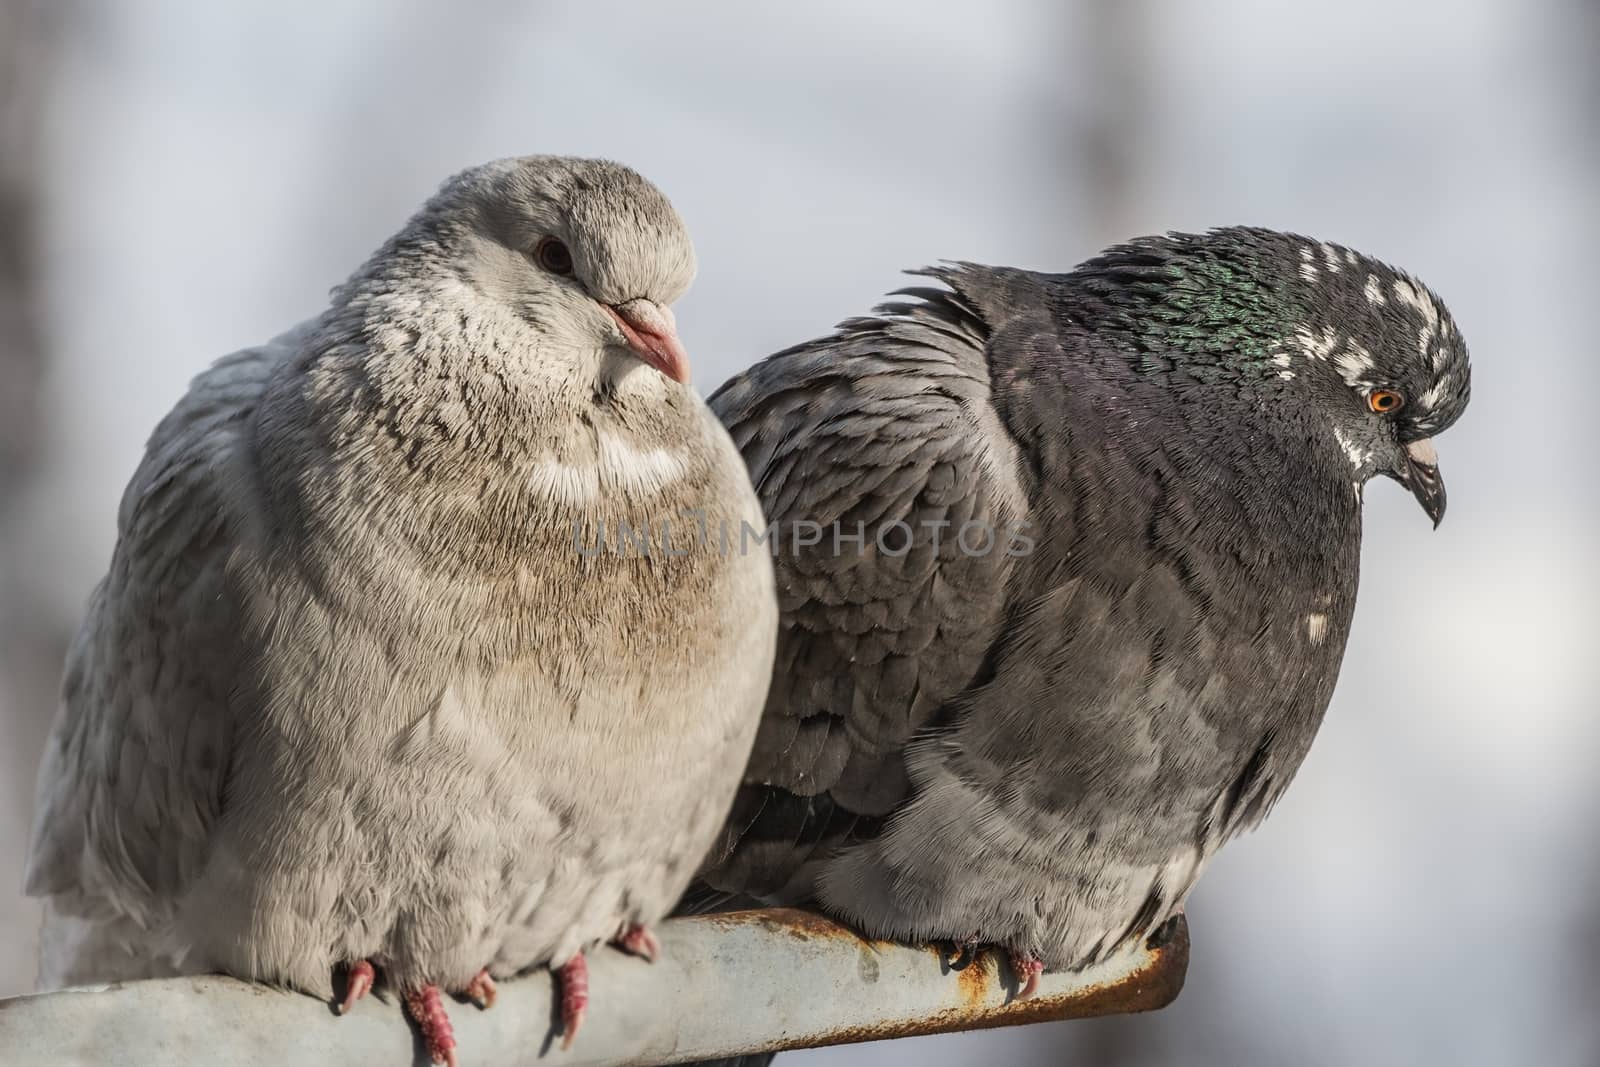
column 179, row 180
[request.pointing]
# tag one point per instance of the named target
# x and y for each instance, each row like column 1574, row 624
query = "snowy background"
column 178, row 180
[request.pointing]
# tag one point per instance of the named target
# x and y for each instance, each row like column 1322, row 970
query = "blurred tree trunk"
column 1578, row 28
column 1115, row 40
column 1108, row 112
column 1100, row 112
column 1576, row 41
column 21, row 348
column 30, row 648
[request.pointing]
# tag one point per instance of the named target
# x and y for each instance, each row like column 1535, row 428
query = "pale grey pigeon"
column 374, row 684
column 1066, row 566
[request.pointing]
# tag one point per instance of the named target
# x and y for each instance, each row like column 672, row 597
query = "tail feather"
column 78, row 950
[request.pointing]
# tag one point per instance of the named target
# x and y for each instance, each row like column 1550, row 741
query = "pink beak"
column 653, row 335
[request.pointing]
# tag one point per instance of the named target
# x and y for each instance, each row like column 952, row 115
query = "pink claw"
column 482, row 990
column 639, row 940
column 426, row 1006
column 358, row 979
column 1027, row 968
column 573, row 978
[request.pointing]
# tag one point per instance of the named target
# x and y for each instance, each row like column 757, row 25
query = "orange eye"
column 1385, row 401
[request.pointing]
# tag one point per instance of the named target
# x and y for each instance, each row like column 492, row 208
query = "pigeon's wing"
column 893, row 495
column 134, row 771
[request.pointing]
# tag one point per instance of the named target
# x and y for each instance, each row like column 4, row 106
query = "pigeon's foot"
column 573, row 979
column 481, row 990
column 1162, row 935
column 958, row 953
column 638, row 940
column 1027, row 967
column 426, row 1006
column 358, row 979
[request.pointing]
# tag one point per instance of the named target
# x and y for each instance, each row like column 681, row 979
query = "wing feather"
column 135, row 769
column 887, row 424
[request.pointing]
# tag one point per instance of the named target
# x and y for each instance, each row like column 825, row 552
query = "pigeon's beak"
column 653, row 335
column 1421, row 476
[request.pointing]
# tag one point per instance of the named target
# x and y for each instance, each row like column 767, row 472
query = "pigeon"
column 1066, row 568
column 369, row 690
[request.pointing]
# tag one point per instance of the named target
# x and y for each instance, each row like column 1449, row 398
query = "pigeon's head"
column 1364, row 352
column 584, row 250
column 1384, row 360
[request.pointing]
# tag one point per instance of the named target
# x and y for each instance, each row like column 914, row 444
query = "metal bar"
column 725, row 985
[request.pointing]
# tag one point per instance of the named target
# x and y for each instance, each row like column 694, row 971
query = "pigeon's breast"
column 478, row 738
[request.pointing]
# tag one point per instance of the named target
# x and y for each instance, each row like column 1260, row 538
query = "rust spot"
column 973, row 980
column 798, row 923
column 1153, row 986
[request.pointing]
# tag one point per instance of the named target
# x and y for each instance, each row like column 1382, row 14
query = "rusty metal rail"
column 726, row 985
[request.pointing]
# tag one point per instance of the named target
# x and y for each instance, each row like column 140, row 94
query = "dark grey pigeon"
column 1066, row 566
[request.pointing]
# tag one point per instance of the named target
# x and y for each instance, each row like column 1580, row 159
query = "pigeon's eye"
column 1385, row 401
column 553, row 255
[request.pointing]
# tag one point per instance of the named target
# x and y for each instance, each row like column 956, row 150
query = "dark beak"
column 1421, row 476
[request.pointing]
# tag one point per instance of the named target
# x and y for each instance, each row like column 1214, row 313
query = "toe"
column 573, row 980
column 639, row 940
column 358, row 981
column 570, row 1021
column 1027, row 970
column 426, row 1006
column 482, row 990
